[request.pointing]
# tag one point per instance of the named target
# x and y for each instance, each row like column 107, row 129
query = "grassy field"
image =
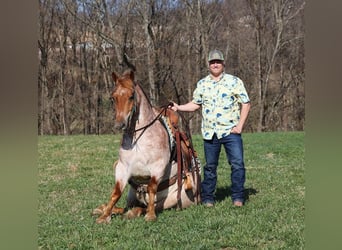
column 75, row 175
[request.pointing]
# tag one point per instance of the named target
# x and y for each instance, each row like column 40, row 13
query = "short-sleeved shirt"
column 220, row 102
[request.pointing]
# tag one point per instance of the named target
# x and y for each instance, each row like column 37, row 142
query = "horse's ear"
column 114, row 76
column 131, row 75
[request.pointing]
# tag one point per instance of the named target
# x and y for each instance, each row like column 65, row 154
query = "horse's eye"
column 131, row 97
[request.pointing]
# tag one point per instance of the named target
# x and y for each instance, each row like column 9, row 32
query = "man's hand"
column 236, row 130
column 173, row 106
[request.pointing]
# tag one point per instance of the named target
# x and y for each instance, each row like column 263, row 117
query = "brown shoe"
column 238, row 203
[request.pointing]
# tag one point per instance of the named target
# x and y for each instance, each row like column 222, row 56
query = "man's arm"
column 245, row 107
column 190, row 106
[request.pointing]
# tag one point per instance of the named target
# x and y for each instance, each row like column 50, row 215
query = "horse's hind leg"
column 134, row 212
column 100, row 210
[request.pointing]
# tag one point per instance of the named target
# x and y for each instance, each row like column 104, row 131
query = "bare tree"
column 271, row 17
column 46, row 26
column 166, row 42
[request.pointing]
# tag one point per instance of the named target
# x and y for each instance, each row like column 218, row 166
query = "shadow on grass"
column 223, row 193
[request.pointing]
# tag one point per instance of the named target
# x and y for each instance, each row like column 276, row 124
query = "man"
column 225, row 107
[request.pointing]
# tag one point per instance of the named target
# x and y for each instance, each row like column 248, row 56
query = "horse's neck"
column 142, row 117
column 146, row 113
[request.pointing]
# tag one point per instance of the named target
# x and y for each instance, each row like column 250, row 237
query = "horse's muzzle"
column 119, row 125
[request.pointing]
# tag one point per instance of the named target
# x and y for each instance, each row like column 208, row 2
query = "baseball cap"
column 215, row 55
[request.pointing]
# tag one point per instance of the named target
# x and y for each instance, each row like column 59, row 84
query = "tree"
column 271, row 18
column 166, row 43
column 46, row 25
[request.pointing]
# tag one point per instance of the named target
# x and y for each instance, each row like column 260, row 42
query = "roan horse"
column 155, row 157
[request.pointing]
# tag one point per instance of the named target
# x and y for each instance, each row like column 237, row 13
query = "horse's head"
column 123, row 97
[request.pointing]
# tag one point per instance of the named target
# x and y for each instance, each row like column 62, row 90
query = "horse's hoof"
column 97, row 211
column 150, row 217
column 129, row 215
column 103, row 220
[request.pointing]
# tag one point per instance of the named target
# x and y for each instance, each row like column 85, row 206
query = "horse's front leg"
column 109, row 209
column 152, row 191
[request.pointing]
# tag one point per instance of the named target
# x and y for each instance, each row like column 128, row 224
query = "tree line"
column 166, row 43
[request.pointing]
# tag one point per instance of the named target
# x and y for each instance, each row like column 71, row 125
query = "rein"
column 133, row 111
column 148, row 125
column 154, row 120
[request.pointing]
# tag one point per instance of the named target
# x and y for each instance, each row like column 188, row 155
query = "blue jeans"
column 234, row 152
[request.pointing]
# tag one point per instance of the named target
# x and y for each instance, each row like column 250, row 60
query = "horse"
column 156, row 158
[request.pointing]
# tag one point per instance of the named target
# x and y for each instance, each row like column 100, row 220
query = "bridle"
column 164, row 108
column 134, row 113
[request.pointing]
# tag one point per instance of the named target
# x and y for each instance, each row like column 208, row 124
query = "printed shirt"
column 220, row 104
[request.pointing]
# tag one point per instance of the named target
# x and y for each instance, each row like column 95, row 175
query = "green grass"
column 75, row 175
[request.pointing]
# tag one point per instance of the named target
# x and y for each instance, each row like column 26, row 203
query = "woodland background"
column 81, row 42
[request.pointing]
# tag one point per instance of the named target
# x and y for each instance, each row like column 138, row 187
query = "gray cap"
column 215, row 55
